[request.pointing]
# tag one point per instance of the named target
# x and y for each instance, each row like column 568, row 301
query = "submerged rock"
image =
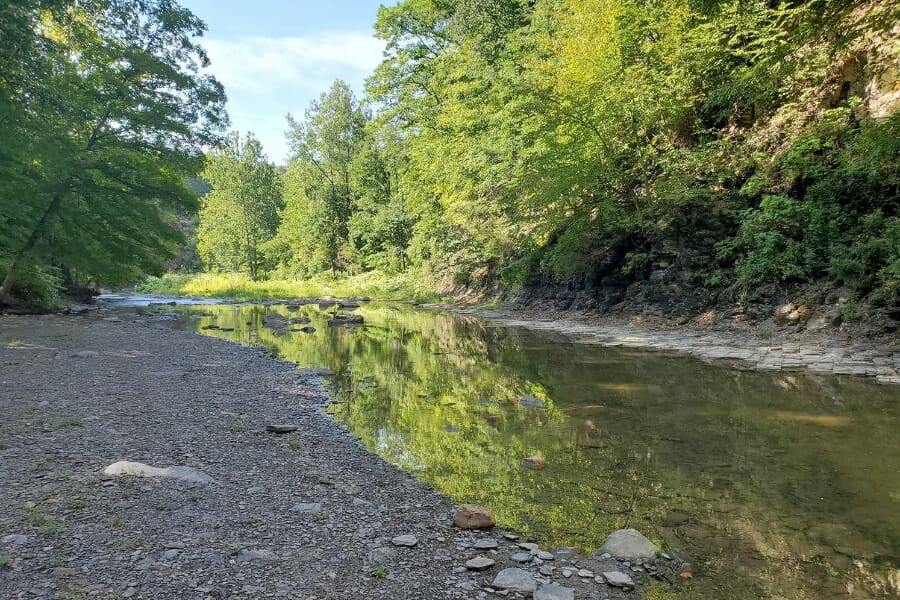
column 136, row 469
column 473, row 516
column 628, row 544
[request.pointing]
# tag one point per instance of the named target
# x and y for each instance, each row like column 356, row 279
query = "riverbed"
column 771, row 484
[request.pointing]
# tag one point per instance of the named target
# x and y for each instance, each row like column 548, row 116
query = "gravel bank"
column 306, row 514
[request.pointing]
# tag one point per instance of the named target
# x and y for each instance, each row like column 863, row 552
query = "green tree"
column 240, row 213
column 320, row 192
column 104, row 112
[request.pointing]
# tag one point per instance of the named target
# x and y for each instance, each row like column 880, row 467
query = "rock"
column 546, row 570
column 485, row 544
column 14, row 539
column 307, row 507
column 530, row 402
column 346, row 320
column 136, row 469
column 174, row 545
column 405, row 540
column 516, row 580
column 551, row 591
column 521, row 557
column 618, row 579
column 85, row 354
column 281, row 428
column 530, row 546
column 628, row 544
column 473, row 516
column 251, row 555
column 170, row 554
column 480, row 563
column 451, row 429
column 544, row 555
column 381, row 555
column 535, row 462
column 791, row 314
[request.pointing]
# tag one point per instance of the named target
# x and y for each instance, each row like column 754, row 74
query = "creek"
column 772, row 484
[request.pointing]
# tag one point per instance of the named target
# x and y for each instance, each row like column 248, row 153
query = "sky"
column 275, row 56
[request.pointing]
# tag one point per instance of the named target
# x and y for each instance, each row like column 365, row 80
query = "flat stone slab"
column 136, row 469
column 281, row 428
column 485, row 544
column 307, row 507
column 405, row 540
column 480, row 563
column 629, row 544
column 551, row 591
column 516, row 580
column 618, row 579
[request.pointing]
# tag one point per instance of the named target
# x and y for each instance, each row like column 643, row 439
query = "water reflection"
column 774, row 485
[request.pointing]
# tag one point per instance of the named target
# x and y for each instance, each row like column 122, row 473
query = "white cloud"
column 267, row 77
column 251, row 63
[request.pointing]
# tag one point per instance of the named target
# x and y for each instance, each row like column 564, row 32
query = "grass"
column 234, row 548
column 3, row 446
column 403, row 286
column 6, row 562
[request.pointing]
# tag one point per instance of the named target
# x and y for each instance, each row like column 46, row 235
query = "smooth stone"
column 307, row 507
column 405, row 540
column 618, row 579
column 281, row 428
column 485, row 544
column 628, row 544
column 480, row 563
column 516, row 580
column 381, row 555
column 136, row 469
column 251, row 555
column 551, row 591
column 544, row 555
column 521, row 557
column 530, row 402
column 473, row 516
column 531, row 547
column 535, row 462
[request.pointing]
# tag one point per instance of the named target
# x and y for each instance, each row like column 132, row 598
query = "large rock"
column 628, row 544
column 516, row 580
column 535, row 462
column 551, row 591
column 791, row 314
column 473, row 516
column 136, row 469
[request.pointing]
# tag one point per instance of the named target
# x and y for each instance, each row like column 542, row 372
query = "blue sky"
column 275, row 56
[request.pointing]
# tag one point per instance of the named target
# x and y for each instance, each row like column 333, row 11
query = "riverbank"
column 306, row 514
column 784, row 349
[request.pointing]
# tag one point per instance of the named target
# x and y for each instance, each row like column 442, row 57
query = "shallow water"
column 783, row 485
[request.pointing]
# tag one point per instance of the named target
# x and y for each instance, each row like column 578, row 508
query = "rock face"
column 551, row 591
column 136, row 469
column 535, row 462
column 629, row 544
column 516, row 580
column 473, row 516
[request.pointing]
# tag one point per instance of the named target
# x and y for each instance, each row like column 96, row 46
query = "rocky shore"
column 143, row 462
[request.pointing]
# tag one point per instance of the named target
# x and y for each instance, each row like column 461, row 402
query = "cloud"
column 255, row 64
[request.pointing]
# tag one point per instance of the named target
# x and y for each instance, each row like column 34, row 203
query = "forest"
column 698, row 151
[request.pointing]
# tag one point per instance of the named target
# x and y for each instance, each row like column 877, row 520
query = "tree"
column 104, row 112
column 240, row 213
column 324, row 146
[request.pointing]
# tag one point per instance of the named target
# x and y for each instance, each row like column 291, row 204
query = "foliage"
column 104, row 111
column 240, row 213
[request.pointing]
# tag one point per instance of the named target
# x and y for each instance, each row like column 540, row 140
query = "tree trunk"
column 36, row 233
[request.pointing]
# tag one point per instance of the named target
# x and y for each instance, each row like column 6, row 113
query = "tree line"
column 735, row 146
column 724, row 145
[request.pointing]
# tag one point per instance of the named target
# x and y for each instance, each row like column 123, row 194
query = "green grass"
column 373, row 284
column 6, row 562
